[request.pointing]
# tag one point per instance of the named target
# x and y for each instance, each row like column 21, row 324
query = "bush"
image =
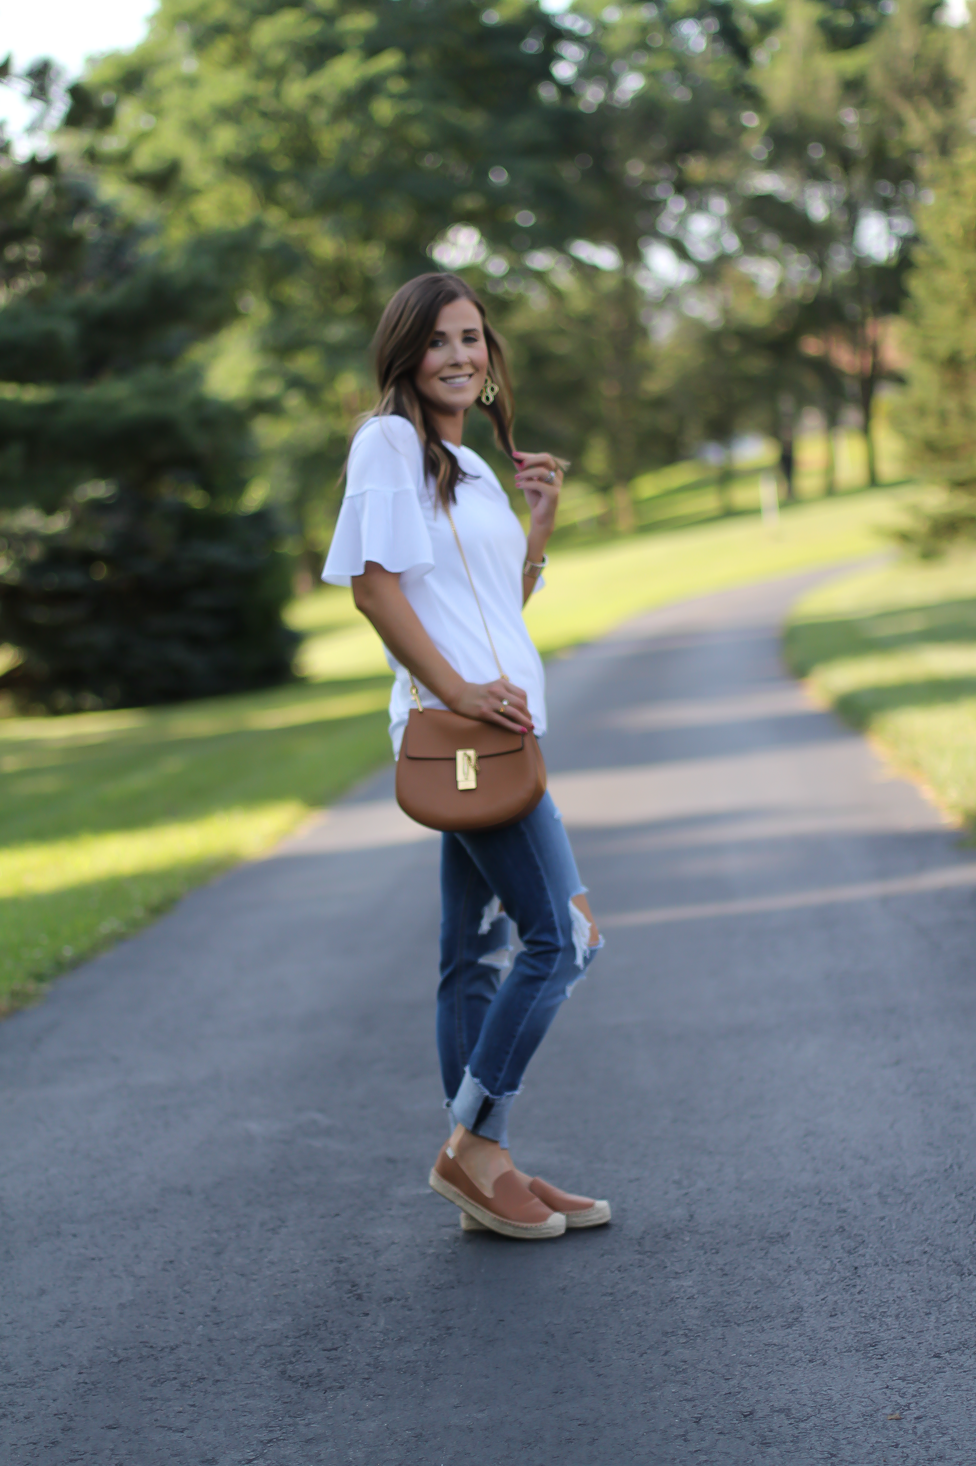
column 131, row 601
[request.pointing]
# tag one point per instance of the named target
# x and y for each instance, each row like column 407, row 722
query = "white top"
column 390, row 515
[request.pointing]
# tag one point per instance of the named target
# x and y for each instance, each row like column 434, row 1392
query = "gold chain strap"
column 464, row 560
column 477, row 601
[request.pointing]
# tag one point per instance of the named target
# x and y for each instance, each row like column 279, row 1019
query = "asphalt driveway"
column 218, row 1243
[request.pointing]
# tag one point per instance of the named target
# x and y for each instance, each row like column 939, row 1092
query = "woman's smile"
column 454, row 366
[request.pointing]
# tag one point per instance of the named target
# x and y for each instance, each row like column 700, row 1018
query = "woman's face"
column 453, row 369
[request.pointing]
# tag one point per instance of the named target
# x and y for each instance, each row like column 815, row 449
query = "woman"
column 407, row 474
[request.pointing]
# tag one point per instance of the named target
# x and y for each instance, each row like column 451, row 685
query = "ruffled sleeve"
column 381, row 518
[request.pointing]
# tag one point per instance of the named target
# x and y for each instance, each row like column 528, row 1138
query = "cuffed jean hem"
column 480, row 1112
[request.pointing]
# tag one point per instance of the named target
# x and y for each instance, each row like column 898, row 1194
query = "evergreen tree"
column 939, row 416
column 119, row 471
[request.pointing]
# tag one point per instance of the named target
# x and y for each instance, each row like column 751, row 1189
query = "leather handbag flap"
column 441, row 735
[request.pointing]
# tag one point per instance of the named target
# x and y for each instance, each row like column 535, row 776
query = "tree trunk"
column 786, row 468
column 622, row 319
column 308, row 570
column 867, row 384
column 786, row 411
column 623, row 505
column 867, row 407
column 830, row 474
column 724, row 484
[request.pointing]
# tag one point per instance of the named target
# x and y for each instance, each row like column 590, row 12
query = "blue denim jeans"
column 489, row 1028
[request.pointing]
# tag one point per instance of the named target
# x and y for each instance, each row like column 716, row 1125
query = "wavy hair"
column 399, row 346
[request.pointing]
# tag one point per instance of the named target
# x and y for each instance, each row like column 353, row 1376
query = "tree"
column 127, row 575
column 366, row 137
column 591, row 382
column 939, row 417
column 852, row 101
column 351, row 137
column 635, row 151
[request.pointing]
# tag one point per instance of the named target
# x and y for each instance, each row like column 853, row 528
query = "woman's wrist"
column 535, row 549
column 451, row 695
column 447, row 689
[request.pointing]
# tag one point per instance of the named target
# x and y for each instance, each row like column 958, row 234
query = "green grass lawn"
column 107, row 818
column 895, row 652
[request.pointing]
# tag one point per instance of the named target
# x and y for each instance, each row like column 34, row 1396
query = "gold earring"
column 488, row 392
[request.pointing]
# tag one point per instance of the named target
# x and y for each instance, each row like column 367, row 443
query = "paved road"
column 218, row 1243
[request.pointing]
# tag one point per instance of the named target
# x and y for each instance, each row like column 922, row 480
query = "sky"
column 68, row 31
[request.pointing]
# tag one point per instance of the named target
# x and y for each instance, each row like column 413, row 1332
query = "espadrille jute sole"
column 555, row 1226
column 596, row 1215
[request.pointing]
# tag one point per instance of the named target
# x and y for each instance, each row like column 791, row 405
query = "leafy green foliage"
column 940, row 421
column 707, row 209
column 827, row 215
column 134, row 602
column 127, row 576
column 95, row 332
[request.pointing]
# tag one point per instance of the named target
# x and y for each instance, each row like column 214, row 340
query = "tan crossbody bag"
column 457, row 773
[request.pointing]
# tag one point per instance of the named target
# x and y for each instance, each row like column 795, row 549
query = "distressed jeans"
column 489, row 1028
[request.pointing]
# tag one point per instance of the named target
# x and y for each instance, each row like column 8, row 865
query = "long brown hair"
column 399, row 345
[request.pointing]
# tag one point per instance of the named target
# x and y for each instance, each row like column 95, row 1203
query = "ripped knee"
column 582, row 905
column 586, row 937
column 492, row 911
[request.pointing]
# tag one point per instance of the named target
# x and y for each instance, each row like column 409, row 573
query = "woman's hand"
column 540, row 477
column 498, row 702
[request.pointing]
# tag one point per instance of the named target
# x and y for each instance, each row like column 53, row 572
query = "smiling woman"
column 441, row 566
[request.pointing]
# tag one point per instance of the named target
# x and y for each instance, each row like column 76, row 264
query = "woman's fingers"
column 511, row 724
column 510, row 718
column 509, row 705
column 497, row 702
column 536, row 468
column 540, row 478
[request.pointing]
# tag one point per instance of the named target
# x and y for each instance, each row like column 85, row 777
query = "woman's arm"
column 540, row 477
column 378, row 595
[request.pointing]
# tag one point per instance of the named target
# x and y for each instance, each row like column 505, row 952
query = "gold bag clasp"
column 466, row 760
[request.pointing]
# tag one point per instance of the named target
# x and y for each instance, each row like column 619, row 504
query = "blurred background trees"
column 693, row 221
column 940, row 409
column 128, row 576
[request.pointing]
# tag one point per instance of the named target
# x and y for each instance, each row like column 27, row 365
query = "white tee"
column 390, row 515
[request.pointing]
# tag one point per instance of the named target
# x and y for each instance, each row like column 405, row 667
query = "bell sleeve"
column 381, row 518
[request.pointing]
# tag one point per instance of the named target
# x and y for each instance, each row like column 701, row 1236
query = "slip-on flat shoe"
column 513, row 1210
column 579, row 1211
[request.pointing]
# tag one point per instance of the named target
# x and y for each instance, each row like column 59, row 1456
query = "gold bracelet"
column 534, row 569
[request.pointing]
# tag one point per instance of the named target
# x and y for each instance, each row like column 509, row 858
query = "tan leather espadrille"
column 579, row 1211
column 513, row 1210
